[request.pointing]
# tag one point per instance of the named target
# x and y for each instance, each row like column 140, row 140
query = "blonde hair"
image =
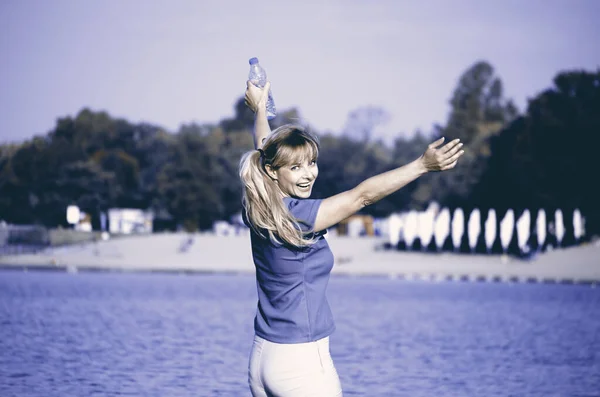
column 262, row 197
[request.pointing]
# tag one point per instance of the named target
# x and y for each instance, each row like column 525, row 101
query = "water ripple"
column 168, row 335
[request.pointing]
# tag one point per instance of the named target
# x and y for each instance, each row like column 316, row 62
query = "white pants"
column 290, row 370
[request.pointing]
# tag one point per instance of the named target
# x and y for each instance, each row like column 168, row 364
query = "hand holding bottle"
column 258, row 76
column 256, row 97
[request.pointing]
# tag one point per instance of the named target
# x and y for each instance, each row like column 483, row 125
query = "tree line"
column 544, row 157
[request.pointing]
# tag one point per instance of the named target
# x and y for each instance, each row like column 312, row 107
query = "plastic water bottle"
column 258, row 76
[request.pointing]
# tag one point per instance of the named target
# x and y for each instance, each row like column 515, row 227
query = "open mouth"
column 304, row 185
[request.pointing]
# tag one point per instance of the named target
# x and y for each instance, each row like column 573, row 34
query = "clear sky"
column 169, row 62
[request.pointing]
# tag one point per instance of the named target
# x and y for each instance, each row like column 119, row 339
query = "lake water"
column 108, row 334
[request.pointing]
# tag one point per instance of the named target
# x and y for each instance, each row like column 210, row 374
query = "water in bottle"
column 258, row 76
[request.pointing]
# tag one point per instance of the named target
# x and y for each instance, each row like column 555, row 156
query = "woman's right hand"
column 444, row 158
column 256, row 97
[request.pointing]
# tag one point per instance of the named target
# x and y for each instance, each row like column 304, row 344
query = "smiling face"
column 297, row 179
column 294, row 167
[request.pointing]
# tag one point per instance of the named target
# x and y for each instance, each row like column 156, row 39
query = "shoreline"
column 408, row 277
column 363, row 256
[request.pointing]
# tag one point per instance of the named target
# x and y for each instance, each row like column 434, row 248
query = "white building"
column 130, row 221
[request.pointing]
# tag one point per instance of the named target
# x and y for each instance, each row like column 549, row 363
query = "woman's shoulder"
column 292, row 202
column 301, row 206
column 304, row 210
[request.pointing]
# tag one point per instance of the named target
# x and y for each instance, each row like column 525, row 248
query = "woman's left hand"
column 256, row 97
column 442, row 158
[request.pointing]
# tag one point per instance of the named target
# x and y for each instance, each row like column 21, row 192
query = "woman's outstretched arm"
column 337, row 208
column 256, row 100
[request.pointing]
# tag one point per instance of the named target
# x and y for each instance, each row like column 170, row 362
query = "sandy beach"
column 353, row 256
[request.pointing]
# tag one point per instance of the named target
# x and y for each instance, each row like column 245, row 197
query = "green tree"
column 362, row 122
column 547, row 157
column 478, row 112
column 187, row 184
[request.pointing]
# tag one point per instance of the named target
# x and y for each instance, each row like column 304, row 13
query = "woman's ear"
column 271, row 172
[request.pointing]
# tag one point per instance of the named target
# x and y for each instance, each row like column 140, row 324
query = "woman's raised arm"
column 339, row 207
column 256, row 99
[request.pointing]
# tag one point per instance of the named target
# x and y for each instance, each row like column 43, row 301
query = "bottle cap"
column 253, row 61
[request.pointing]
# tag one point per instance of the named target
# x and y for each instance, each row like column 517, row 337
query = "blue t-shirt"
column 291, row 283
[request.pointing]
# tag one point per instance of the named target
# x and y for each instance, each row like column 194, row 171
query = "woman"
column 290, row 354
